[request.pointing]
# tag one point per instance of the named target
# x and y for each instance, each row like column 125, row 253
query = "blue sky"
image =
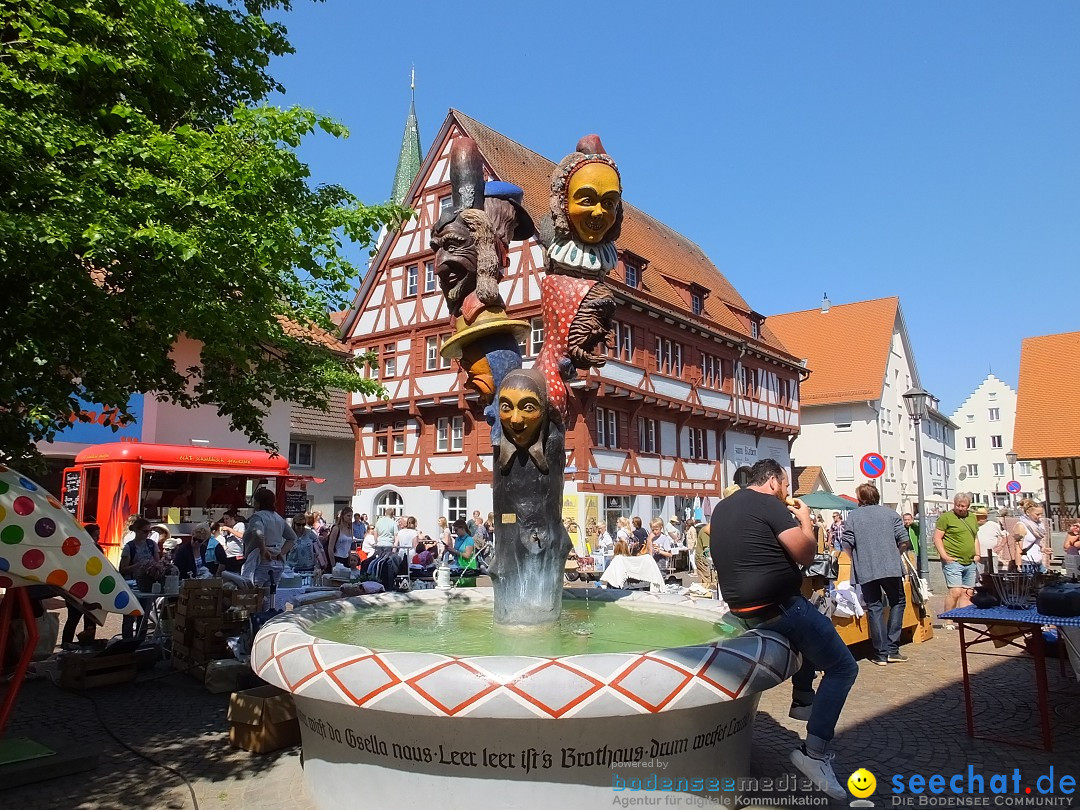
column 922, row 149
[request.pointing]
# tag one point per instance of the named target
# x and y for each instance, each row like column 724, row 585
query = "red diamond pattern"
column 701, row 673
column 307, row 650
column 490, row 687
column 520, row 687
column 360, row 700
column 648, row 659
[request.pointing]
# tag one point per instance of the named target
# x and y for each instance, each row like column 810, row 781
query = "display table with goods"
column 1012, row 618
column 210, row 615
column 848, row 613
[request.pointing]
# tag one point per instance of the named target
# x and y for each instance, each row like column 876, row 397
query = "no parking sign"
column 872, row 465
column 1013, row 487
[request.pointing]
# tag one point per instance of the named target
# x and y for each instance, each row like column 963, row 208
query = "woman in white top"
column 442, row 534
column 622, row 531
column 1030, row 534
column 341, row 539
column 405, row 539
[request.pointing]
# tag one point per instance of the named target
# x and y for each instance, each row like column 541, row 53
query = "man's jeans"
column 814, row 636
column 886, row 641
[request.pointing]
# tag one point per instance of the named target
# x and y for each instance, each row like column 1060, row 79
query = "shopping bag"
column 920, row 589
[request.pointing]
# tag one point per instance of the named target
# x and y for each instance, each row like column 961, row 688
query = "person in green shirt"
column 912, row 527
column 954, row 538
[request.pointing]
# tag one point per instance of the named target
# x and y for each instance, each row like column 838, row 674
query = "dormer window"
column 633, row 274
column 697, row 303
column 755, row 330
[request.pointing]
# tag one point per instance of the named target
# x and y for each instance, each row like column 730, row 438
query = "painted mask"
column 593, row 197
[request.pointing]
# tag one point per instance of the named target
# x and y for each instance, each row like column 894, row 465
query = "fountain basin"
column 521, row 730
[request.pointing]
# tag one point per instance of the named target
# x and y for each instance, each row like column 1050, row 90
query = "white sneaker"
column 818, row 771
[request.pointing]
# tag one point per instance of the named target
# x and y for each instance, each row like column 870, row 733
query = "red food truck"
column 173, row 485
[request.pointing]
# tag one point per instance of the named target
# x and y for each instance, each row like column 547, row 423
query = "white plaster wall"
column 334, row 462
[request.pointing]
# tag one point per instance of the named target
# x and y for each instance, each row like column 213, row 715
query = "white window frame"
column 389, row 360
column 845, row 468
column 431, row 353
column 633, row 275
column 412, row 277
column 446, row 202
column 993, row 414
column 755, row 330
column 973, row 470
column 536, row 335
column 296, row 454
column 455, row 506
column 444, row 362
column 647, row 435
column 999, row 468
column 607, row 428
column 1025, row 468
column 996, row 442
column 398, row 438
column 431, row 281
column 697, row 449
column 697, row 303
column 969, row 443
column 457, row 433
column 442, row 434
column 389, row 500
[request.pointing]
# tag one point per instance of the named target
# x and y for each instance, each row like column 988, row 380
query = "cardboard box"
column 263, row 720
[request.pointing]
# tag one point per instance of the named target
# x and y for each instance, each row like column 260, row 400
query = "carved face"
column 455, row 262
column 474, row 362
column 593, row 197
column 522, row 415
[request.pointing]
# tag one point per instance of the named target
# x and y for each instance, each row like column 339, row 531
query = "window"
column 969, row 442
column 457, row 432
column 431, row 353
column 1025, row 468
column 658, row 505
column 399, row 438
column 444, row 362
column 647, row 435
column 382, row 440
column 442, row 434
column 697, row 447
column 389, row 360
column 430, row 282
column 301, row 454
column 842, row 418
column 622, row 347
column 973, row 470
column 845, row 468
column 536, row 335
column 992, row 396
column 970, row 417
column 668, row 357
column 411, row 273
column 995, row 442
column 389, row 501
column 631, row 274
column 677, row 368
column 607, row 428
column 697, row 304
column 994, row 414
column 456, row 506
column 755, row 329
column 999, row 468
column 890, row 469
column 445, row 204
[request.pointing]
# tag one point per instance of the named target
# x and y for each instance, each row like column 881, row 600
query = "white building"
column 985, row 435
column 861, row 364
column 939, row 454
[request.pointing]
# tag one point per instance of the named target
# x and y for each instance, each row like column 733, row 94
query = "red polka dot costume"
column 561, row 297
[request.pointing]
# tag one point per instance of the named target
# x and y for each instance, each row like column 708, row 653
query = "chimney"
column 825, row 303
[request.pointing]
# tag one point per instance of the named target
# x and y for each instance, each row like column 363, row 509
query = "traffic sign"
column 872, row 465
column 1013, row 487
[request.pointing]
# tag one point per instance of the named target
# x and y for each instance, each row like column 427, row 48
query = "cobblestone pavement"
column 905, row 718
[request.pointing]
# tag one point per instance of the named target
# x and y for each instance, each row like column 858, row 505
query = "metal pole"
column 924, row 565
column 1012, row 477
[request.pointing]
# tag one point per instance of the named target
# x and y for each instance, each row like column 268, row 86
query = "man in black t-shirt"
column 758, row 539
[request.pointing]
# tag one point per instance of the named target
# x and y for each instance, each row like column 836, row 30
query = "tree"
column 148, row 192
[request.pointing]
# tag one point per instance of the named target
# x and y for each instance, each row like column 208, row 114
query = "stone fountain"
column 498, row 723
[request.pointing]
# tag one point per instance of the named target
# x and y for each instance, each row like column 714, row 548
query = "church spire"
column 409, row 159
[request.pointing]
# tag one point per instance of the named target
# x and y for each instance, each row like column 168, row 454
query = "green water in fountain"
column 469, row 630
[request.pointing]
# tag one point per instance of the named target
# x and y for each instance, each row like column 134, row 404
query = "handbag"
column 920, row 590
column 824, row 565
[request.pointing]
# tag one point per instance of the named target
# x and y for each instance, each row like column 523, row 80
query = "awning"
column 826, row 500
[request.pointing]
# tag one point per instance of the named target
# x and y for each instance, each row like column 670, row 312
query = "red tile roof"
column 332, row 423
column 846, row 349
column 669, row 254
column 1047, row 416
column 806, row 478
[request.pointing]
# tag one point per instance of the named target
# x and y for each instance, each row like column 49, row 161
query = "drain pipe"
column 737, row 388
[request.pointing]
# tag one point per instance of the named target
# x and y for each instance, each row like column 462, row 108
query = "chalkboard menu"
column 296, row 502
column 72, row 486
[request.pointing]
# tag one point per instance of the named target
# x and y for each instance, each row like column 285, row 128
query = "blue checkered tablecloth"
column 1006, row 615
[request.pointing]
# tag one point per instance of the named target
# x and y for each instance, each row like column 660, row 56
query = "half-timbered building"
column 696, row 386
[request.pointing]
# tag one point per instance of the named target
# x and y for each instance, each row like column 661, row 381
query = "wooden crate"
column 90, row 671
column 250, row 601
column 196, row 602
column 210, row 639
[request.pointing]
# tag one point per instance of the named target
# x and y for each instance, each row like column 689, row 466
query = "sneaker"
column 818, row 771
column 897, row 658
column 879, row 662
column 800, row 711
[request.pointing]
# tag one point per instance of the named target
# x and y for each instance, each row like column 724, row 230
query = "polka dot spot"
column 23, row 505
column 33, row 558
column 4, row 487
column 4, row 564
column 46, row 527
column 93, row 568
column 107, row 585
column 26, row 483
column 136, row 613
column 58, row 578
column 55, row 504
column 6, row 582
column 121, row 600
column 71, row 546
column 79, row 590
column 3, row 513
column 11, row 535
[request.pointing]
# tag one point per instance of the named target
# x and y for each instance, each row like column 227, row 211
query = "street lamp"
column 1011, row 458
column 917, row 402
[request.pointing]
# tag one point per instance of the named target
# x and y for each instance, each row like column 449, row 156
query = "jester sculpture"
column 528, row 408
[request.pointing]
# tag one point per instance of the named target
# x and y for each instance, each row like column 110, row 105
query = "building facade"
column 861, row 364
column 1048, row 422
column 984, row 436
column 696, row 386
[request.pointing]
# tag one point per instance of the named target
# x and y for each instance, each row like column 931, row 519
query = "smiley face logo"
column 862, row 783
